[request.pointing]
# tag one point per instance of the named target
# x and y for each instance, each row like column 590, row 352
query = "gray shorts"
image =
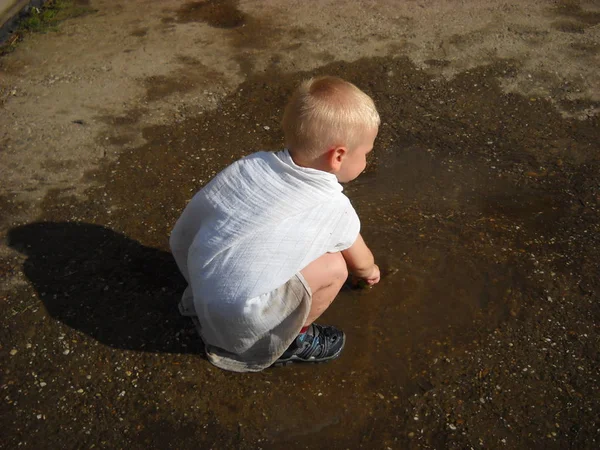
column 267, row 349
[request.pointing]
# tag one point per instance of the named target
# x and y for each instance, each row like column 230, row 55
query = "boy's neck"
column 317, row 163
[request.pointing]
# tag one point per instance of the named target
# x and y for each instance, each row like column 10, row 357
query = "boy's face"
column 355, row 161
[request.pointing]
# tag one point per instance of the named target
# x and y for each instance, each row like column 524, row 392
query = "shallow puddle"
column 466, row 203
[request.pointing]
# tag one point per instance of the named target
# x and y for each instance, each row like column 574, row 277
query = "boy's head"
column 326, row 115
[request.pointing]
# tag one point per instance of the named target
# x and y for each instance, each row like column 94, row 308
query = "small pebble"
column 13, row 352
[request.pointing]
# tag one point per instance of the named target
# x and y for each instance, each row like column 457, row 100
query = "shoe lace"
column 317, row 343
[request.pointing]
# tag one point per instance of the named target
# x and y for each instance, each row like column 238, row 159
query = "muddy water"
column 475, row 203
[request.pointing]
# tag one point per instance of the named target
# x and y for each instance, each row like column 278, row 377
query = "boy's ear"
column 335, row 158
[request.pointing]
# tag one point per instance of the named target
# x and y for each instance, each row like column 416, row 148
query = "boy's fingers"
column 373, row 280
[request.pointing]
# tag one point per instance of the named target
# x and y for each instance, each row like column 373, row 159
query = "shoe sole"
column 294, row 359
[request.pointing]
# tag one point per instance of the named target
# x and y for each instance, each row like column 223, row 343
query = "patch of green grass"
column 46, row 18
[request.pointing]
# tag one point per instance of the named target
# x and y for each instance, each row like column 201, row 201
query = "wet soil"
column 481, row 206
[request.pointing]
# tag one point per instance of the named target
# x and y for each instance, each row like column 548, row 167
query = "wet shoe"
column 318, row 344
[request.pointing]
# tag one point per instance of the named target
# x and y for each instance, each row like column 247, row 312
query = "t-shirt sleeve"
column 347, row 227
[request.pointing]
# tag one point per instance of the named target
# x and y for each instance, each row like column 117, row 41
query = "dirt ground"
column 481, row 204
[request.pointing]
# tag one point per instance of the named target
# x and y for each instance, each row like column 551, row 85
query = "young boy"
column 268, row 243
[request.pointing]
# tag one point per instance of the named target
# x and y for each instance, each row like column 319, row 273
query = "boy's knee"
column 340, row 269
column 330, row 269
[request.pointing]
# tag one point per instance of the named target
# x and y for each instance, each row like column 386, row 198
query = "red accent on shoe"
column 303, row 329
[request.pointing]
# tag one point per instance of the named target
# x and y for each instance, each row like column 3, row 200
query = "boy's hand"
column 373, row 277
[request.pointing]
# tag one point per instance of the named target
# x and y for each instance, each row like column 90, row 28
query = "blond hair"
column 325, row 112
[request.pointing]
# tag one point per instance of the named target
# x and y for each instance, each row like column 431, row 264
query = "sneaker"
column 318, row 344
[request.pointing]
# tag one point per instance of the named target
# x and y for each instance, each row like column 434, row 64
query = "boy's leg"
column 325, row 276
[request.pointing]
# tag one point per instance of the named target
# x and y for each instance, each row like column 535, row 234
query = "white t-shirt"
column 247, row 232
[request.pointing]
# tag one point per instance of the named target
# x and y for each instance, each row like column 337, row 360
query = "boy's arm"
column 361, row 263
